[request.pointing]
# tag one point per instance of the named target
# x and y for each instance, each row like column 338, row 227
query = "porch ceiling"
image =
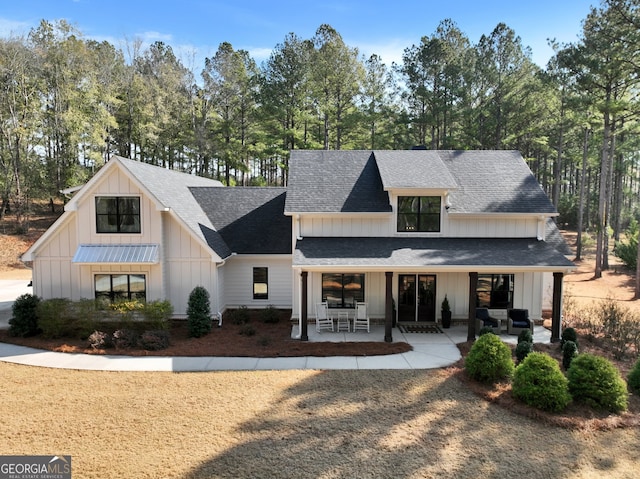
column 444, row 254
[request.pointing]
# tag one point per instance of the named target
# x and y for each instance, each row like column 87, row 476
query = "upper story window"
column 419, row 214
column 118, row 214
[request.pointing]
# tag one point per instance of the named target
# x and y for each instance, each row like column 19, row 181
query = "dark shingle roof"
column 250, row 220
column 335, row 182
column 480, row 181
column 494, row 181
column 413, row 169
column 435, row 252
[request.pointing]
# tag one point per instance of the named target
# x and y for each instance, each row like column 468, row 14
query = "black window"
column 419, row 214
column 120, row 287
column 495, row 291
column 342, row 290
column 117, row 214
column 260, row 283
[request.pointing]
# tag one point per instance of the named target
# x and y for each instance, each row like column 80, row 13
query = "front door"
column 416, row 297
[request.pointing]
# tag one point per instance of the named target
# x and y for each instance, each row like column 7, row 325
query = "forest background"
column 67, row 103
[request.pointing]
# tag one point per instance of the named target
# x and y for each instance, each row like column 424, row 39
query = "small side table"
column 343, row 321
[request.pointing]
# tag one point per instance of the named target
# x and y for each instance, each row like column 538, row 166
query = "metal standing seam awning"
column 117, row 254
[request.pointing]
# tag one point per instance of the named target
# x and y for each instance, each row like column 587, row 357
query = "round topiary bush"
column 523, row 349
column 24, row 319
column 525, row 336
column 199, row 312
column 596, row 382
column 485, row 330
column 489, row 359
column 569, row 351
column 568, row 334
column 538, row 382
column 633, row 379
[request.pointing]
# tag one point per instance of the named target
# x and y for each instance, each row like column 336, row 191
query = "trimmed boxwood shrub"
column 489, row 359
column 485, row 330
column 199, row 312
column 569, row 351
column 539, row 382
column 523, row 349
column 24, row 319
column 633, row 380
column 596, row 382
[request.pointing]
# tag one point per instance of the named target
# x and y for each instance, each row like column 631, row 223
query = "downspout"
column 218, row 266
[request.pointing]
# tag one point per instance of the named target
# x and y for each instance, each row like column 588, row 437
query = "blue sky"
column 195, row 28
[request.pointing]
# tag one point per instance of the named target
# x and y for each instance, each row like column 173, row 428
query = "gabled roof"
column 413, row 169
column 478, row 182
column 250, row 220
column 335, row 182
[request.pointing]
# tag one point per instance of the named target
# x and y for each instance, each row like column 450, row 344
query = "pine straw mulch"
column 269, row 341
column 576, row 416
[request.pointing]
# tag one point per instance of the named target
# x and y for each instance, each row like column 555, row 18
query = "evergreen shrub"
column 539, row 382
column 489, row 359
column 522, row 350
column 633, row 379
column 595, row 381
column 525, row 336
column 24, row 319
column 270, row 315
column 568, row 334
column 199, row 312
column 569, row 351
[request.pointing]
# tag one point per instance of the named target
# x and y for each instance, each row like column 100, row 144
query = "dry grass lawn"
column 291, row 424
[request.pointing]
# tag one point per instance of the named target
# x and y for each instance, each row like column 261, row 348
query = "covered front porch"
column 443, row 267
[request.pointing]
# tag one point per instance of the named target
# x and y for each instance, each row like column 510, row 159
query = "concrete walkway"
column 430, row 350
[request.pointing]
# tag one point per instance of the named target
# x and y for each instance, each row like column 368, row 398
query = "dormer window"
column 419, row 214
column 118, row 214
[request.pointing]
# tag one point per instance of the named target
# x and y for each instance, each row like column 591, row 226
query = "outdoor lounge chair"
column 361, row 320
column 518, row 320
column 323, row 321
column 483, row 319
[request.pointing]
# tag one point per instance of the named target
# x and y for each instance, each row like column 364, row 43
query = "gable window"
column 261, row 283
column 342, row 290
column 118, row 214
column 419, row 214
column 120, row 287
column 495, row 291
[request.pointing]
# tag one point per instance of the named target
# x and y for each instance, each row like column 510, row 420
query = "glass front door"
column 416, row 297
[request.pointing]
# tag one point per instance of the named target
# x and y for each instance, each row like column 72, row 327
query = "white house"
column 398, row 230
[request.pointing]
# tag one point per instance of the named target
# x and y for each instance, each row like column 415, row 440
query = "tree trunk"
column 583, row 175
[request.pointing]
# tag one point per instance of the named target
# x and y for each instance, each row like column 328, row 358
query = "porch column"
column 388, row 307
column 556, row 311
column 473, row 287
column 303, row 307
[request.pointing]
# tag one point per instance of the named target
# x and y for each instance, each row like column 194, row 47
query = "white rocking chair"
column 323, row 321
column 361, row 321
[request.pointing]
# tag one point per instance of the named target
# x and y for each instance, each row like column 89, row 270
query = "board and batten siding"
column 187, row 264
column 238, row 281
column 385, row 226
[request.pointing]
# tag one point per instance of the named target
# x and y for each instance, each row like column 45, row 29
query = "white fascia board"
column 433, row 269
